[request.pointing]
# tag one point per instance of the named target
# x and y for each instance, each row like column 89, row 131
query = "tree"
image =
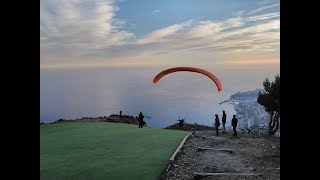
column 270, row 100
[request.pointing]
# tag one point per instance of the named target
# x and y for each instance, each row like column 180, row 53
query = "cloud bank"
column 86, row 33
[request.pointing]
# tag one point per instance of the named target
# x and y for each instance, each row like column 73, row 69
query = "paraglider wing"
column 190, row 69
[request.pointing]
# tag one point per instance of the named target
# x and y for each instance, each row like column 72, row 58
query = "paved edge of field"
column 172, row 158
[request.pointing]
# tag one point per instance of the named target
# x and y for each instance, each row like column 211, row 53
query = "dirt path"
column 250, row 155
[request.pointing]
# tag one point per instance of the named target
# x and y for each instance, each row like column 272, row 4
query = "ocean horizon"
column 77, row 93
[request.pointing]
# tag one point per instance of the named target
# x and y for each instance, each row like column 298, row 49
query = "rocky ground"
column 259, row 157
column 190, row 127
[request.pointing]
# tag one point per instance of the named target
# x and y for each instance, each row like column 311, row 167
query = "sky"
column 108, row 42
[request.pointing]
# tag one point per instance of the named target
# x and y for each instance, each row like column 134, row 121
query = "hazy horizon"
column 71, row 94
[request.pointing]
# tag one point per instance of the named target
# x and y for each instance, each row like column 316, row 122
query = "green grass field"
column 101, row 150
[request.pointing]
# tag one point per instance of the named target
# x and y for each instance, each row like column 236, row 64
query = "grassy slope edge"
column 101, row 150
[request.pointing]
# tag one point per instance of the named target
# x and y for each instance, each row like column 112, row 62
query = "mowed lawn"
column 102, row 150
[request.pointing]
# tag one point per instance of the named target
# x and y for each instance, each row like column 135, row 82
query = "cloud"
column 207, row 39
column 252, row 62
column 73, row 35
column 264, row 16
column 80, row 24
column 96, row 63
column 223, row 36
column 263, row 8
column 238, row 13
column 156, row 11
column 210, row 28
column 162, row 33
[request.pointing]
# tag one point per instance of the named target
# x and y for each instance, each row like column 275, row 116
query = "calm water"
column 76, row 93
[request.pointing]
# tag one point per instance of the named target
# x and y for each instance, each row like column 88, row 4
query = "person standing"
column 217, row 124
column 224, row 120
column 234, row 123
column 141, row 122
column 181, row 121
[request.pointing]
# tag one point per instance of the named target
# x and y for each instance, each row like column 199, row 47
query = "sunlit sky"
column 131, row 33
column 100, row 56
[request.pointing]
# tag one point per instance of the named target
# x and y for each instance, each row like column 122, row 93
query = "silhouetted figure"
column 217, row 124
column 181, row 121
column 224, row 120
column 234, row 123
column 141, row 122
column 120, row 113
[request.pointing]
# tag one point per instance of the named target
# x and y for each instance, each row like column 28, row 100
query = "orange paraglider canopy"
column 190, row 69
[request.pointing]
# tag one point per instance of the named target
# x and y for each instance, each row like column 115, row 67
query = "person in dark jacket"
column 141, row 121
column 181, row 121
column 234, row 123
column 224, row 120
column 217, row 124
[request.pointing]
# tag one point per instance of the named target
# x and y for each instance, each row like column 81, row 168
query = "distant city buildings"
column 249, row 112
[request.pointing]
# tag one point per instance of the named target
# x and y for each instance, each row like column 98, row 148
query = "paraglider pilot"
column 217, row 124
column 181, row 121
column 234, row 123
column 224, row 120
